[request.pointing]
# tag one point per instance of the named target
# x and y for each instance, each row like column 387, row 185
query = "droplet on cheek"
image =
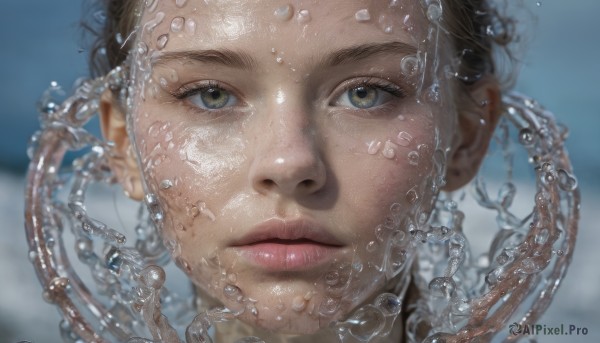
column 303, row 16
column 190, row 26
column 389, row 150
column 284, row 12
column 412, row 196
column 374, row 147
column 413, row 158
column 362, row 15
column 404, row 138
column 166, row 184
column 177, row 24
column 233, row 293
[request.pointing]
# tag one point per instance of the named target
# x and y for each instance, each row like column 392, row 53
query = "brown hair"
column 474, row 26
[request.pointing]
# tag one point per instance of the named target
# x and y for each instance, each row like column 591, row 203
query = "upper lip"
column 288, row 231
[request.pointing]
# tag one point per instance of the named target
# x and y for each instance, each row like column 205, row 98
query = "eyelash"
column 189, row 90
column 385, row 86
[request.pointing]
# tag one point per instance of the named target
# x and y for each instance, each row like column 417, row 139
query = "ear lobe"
column 475, row 131
column 122, row 159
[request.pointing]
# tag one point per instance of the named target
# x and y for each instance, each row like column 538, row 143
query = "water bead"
column 233, row 293
column 162, row 41
column 434, row 12
column 409, row 65
column 526, row 137
column 366, row 323
column 303, row 16
column 180, row 3
column 284, row 13
column 389, row 150
column 404, row 138
column 362, row 15
column 177, row 24
column 389, row 304
column 190, row 26
column 166, row 184
column 373, row 147
column 413, row 158
column 371, row 246
column 154, row 22
column 442, row 287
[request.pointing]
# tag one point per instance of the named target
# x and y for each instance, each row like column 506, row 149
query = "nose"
column 288, row 158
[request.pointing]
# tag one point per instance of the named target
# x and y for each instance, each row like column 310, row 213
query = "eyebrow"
column 242, row 60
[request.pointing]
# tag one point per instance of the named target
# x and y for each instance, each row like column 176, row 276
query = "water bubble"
column 542, row 236
column 153, row 277
column 154, row 22
column 411, row 196
column 366, row 323
column 434, row 12
column 303, row 16
column 413, row 158
column 566, row 181
column 442, row 287
column 409, row 65
column 389, row 304
column 389, row 150
column 560, row 252
column 526, row 137
column 284, row 13
column 177, row 24
column 162, row 41
column 433, row 94
column 362, row 15
column 190, row 26
column 180, row 3
column 33, row 255
column 373, row 147
column 371, row 246
column 298, row 304
column 329, row 306
column 233, row 293
column 142, row 48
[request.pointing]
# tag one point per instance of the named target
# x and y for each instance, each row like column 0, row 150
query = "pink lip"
column 279, row 245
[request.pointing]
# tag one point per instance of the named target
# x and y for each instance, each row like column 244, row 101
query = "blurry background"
column 40, row 42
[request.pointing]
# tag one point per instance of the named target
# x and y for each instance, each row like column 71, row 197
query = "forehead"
column 293, row 26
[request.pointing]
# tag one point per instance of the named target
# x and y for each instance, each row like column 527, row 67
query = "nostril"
column 308, row 183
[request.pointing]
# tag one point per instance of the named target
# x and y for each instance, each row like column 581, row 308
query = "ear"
column 122, row 159
column 475, row 128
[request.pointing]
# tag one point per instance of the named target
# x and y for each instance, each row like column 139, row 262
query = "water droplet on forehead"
column 409, row 65
column 284, row 13
column 362, row 15
column 177, row 24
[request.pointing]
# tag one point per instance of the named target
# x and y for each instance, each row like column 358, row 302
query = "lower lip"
column 287, row 257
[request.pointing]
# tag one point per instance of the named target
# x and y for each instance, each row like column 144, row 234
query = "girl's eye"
column 366, row 96
column 212, row 98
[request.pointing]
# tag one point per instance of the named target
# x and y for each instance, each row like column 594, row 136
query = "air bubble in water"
column 526, row 137
column 284, row 13
column 177, row 24
column 362, row 15
column 389, row 304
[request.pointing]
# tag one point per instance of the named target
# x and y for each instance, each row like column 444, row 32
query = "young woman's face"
column 288, row 148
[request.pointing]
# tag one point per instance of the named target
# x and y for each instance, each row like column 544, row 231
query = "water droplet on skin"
column 389, row 304
column 303, row 16
column 233, row 293
column 374, row 147
column 409, row 65
column 142, row 48
column 367, row 322
column 371, row 246
column 177, row 24
column 404, row 138
column 401, row 117
column 408, row 25
column 412, row 196
column 298, row 304
column 329, row 306
column 389, row 150
column 385, row 23
column 279, row 59
column 166, row 184
column 284, row 13
column 413, row 158
column 362, row 15
column 434, row 12
column 151, row 5
column 180, row 3
column 162, row 41
column 190, row 26
column 154, row 22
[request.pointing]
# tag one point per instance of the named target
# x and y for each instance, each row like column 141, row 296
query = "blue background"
column 40, row 42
